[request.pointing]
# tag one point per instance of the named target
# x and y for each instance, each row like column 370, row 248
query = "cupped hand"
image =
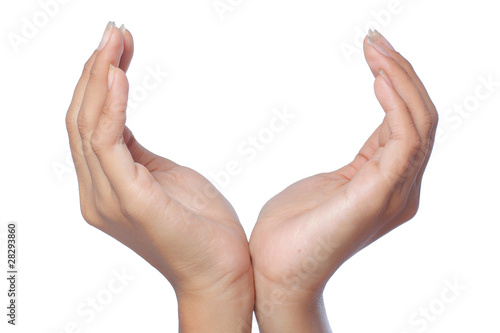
column 169, row 214
column 305, row 233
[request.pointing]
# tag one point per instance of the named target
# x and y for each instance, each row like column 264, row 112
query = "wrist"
column 220, row 309
column 279, row 308
column 306, row 317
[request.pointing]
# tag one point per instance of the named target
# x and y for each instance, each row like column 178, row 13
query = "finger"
column 379, row 55
column 381, row 169
column 427, row 156
column 75, row 141
column 396, row 158
column 93, row 103
column 388, row 166
column 128, row 49
column 431, row 109
column 97, row 86
column 365, row 154
column 375, row 53
column 107, row 140
column 405, row 64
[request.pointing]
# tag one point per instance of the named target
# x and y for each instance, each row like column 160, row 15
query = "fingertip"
column 386, row 78
column 383, row 88
column 401, row 130
column 112, row 120
column 90, row 62
column 377, row 55
column 112, row 51
column 117, row 98
column 389, row 99
column 128, row 50
column 117, row 80
column 367, row 49
column 111, row 75
column 128, row 38
column 104, row 61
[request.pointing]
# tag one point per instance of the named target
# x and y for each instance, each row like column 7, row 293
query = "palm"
column 197, row 218
column 308, row 230
column 289, row 224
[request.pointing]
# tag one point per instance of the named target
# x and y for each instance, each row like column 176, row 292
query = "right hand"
column 169, row 214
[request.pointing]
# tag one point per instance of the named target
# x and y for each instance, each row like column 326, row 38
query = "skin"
column 305, row 233
column 176, row 220
column 169, row 214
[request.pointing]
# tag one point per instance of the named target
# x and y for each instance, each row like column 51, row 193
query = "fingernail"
column 384, row 75
column 377, row 45
column 122, row 29
column 111, row 75
column 384, row 41
column 106, row 35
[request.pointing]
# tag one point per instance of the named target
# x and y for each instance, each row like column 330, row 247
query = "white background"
column 226, row 75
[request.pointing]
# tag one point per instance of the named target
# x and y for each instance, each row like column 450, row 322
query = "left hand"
column 306, row 232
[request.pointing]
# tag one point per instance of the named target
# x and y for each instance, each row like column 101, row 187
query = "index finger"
column 405, row 64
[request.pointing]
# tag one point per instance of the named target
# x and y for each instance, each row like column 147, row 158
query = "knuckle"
column 139, row 193
column 435, row 116
column 410, row 160
column 114, row 106
column 105, row 125
column 87, row 68
column 411, row 209
column 89, row 64
column 128, row 208
column 82, row 125
column 413, row 144
column 89, row 213
column 119, row 104
column 407, row 66
column 107, row 108
column 93, row 73
column 96, row 141
column 430, row 122
column 88, row 216
column 101, row 207
column 70, row 121
column 129, row 204
column 106, row 209
column 106, row 203
column 132, row 204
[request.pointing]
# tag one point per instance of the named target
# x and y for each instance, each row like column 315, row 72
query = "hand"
column 305, row 233
column 169, row 214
